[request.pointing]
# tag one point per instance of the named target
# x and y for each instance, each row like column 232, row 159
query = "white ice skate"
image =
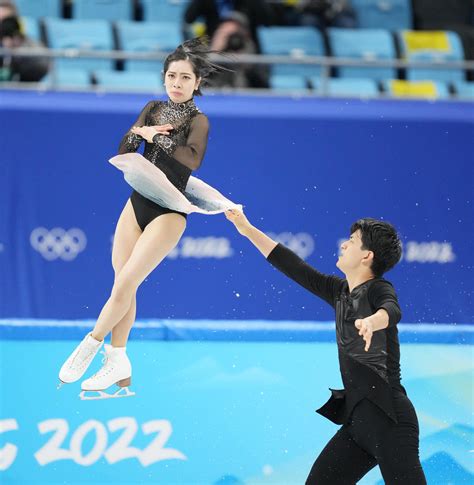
column 78, row 362
column 116, row 370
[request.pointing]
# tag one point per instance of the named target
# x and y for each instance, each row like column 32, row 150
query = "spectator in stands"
column 327, row 13
column 214, row 11
column 455, row 15
column 233, row 36
column 25, row 69
column 7, row 9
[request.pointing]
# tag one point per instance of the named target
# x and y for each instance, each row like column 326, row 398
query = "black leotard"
column 176, row 155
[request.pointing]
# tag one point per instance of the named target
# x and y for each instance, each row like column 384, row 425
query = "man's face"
column 6, row 11
column 352, row 255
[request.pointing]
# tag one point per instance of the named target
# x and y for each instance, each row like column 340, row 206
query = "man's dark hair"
column 382, row 239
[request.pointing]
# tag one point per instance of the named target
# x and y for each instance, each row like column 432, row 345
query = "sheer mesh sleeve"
column 192, row 153
column 130, row 142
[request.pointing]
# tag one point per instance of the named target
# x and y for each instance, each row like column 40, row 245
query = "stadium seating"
column 80, row 34
column 287, row 82
column 68, row 78
column 103, row 9
column 147, row 37
column 129, row 81
column 464, row 89
column 383, row 14
column 293, row 41
column 39, row 8
column 436, row 46
column 416, row 89
column 31, row 29
column 346, row 87
column 163, row 10
column 368, row 44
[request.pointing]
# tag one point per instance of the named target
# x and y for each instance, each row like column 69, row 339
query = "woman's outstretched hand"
column 239, row 220
column 259, row 239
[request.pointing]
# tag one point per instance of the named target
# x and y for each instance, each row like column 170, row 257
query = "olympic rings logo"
column 300, row 243
column 58, row 243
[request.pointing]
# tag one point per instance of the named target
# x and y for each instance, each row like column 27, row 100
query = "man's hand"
column 366, row 330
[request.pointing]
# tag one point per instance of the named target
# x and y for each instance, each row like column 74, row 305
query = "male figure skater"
column 379, row 423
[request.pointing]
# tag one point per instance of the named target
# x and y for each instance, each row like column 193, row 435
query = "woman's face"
column 180, row 81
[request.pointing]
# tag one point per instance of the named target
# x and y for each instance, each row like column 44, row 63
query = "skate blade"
column 122, row 392
column 60, row 384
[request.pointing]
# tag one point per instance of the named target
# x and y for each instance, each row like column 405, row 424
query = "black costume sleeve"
column 130, row 142
column 382, row 295
column 325, row 286
column 191, row 154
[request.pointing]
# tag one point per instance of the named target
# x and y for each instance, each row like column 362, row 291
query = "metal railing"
column 326, row 63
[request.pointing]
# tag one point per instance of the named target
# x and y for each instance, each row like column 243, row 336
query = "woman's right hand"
column 258, row 238
column 239, row 220
column 163, row 129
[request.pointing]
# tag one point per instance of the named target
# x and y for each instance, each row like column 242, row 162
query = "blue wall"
column 304, row 169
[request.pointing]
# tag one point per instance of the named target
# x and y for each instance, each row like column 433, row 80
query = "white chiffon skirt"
column 148, row 180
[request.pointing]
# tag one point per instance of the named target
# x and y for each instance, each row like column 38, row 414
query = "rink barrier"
column 228, row 330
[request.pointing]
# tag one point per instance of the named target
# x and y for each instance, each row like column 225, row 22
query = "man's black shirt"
column 374, row 374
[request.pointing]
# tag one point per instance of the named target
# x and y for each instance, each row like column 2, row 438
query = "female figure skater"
column 379, row 423
column 176, row 134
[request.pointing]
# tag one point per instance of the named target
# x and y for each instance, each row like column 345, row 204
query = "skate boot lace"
column 107, row 367
column 85, row 353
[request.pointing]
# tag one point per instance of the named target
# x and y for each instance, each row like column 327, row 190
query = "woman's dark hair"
column 197, row 52
column 382, row 239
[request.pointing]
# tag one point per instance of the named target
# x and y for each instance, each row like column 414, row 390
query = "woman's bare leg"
column 153, row 245
column 121, row 331
column 126, row 235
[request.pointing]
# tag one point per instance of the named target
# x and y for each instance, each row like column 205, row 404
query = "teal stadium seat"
column 360, row 88
column 31, row 29
column 437, row 46
column 416, row 89
column 383, row 14
column 464, row 89
column 146, row 37
column 366, row 44
column 81, row 34
column 68, row 79
column 292, row 41
column 40, row 8
column 103, row 9
column 287, row 82
column 129, row 81
column 164, row 10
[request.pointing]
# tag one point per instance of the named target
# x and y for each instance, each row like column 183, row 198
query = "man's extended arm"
column 325, row 286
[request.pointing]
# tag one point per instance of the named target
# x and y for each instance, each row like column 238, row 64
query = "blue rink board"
column 304, row 168
column 239, row 411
